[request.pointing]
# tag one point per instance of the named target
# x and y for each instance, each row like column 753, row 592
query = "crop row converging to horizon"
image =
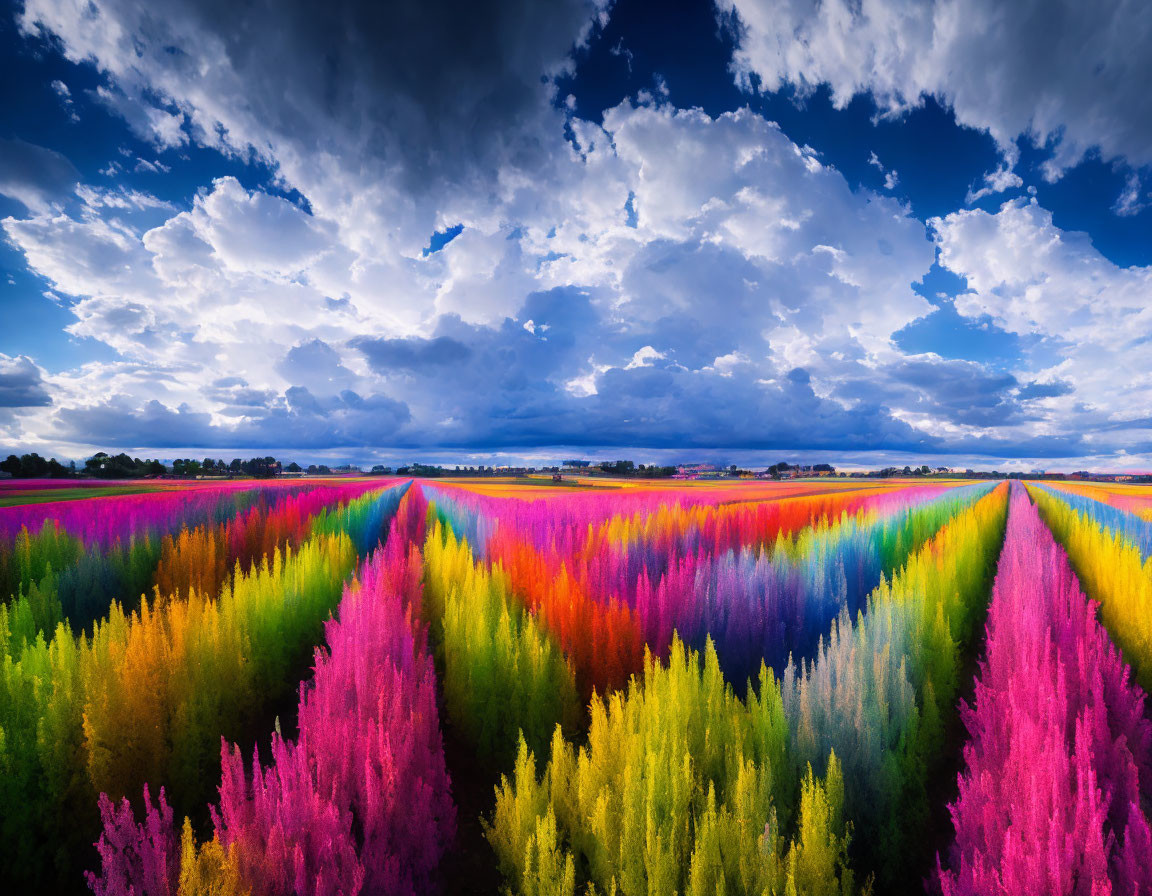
column 387, row 686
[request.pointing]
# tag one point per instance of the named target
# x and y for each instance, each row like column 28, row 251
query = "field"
column 399, row 686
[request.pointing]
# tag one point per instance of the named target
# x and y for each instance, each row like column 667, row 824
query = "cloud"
column 1089, row 318
column 90, row 256
column 1045, row 390
column 254, row 232
column 163, row 127
column 961, row 392
column 121, row 198
column 414, row 354
column 1130, row 201
column 297, row 418
column 891, row 177
column 21, row 383
column 998, row 181
column 144, row 166
column 508, row 388
column 316, row 363
column 1067, row 75
column 33, row 175
column 673, row 280
column 553, row 316
column 426, row 93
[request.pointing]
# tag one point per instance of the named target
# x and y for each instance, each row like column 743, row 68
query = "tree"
column 11, row 465
column 293, row 468
column 34, row 466
column 237, row 465
column 190, row 467
column 94, row 466
column 261, row 467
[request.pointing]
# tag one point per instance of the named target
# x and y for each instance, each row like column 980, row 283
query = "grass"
column 43, row 496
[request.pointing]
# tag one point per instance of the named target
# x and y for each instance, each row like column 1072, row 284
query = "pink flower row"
column 361, row 800
column 1056, row 764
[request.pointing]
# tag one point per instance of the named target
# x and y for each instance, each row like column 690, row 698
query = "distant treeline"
column 120, row 466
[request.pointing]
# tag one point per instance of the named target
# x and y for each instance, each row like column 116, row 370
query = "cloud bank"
column 1070, row 77
column 662, row 278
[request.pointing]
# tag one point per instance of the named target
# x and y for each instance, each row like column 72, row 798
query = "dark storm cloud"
column 433, row 91
column 117, row 422
column 508, row 390
column 411, row 353
column 21, row 385
column 299, row 419
column 33, row 175
column 961, row 392
column 1045, row 390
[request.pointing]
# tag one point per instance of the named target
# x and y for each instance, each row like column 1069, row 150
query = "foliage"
column 880, row 691
column 502, row 676
column 146, row 697
column 682, row 787
column 1056, row 767
column 1112, row 568
column 361, row 799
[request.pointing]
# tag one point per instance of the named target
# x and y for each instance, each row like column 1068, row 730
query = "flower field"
column 729, row 687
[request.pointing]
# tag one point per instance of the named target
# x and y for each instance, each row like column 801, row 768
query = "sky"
column 862, row 232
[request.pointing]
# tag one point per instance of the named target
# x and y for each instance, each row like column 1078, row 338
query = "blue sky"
column 728, row 229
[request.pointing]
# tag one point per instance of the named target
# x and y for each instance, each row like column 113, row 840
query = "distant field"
column 24, row 496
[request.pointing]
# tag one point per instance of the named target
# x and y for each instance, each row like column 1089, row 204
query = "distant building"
column 695, row 471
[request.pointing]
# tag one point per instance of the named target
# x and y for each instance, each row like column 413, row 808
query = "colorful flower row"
column 1117, row 520
column 603, row 608
column 148, row 695
column 358, row 802
column 1056, row 766
column 1113, row 570
column 57, row 578
column 683, row 787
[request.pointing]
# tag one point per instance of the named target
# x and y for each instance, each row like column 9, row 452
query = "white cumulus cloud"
column 1069, row 76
